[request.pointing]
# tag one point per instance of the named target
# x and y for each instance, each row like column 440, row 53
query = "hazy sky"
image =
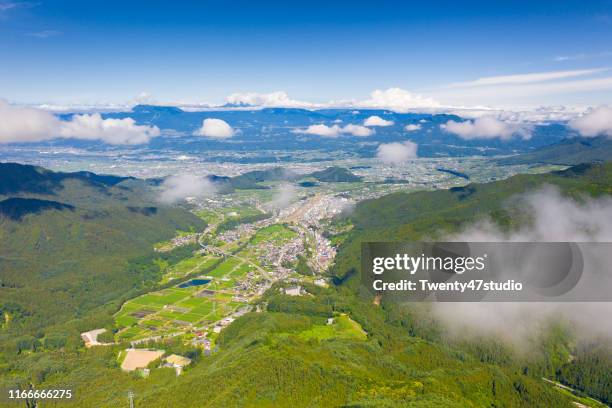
column 110, row 51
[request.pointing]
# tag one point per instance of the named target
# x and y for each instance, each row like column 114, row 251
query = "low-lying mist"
column 550, row 217
column 283, row 197
column 179, row 187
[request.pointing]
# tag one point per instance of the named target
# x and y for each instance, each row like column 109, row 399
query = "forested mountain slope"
column 568, row 152
column 66, row 240
column 386, row 355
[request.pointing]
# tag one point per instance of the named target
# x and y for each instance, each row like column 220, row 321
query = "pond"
column 194, row 282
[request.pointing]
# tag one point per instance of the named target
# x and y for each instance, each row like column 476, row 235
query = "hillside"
column 67, row 239
column 20, row 178
column 335, row 175
column 567, row 152
column 428, row 215
column 384, row 356
column 405, row 216
column 252, row 179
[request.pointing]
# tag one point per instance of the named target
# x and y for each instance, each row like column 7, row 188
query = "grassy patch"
column 343, row 327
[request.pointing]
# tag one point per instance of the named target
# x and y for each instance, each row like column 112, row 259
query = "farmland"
column 227, row 277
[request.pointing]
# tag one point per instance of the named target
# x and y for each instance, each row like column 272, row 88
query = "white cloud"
column 112, row 131
column 540, row 114
column 486, row 127
column 520, row 95
column 215, row 128
column 526, row 78
column 574, row 57
column 399, row 100
column 562, row 87
column 9, row 5
column 554, row 218
column 321, row 130
column 397, row 152
column 178, row 188
column 515, row 92
column 283, row 197
column 279, row 99
column 143, row 98
column 471, row 95
column 335, row 130
column 377, row 121
column 395, row 99
column 22, row 124
column 595, row 122
column 357, row 130
column 412, row 127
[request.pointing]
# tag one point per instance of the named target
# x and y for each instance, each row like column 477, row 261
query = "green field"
column 343, row 327
column 225, row 268
column 177, row 309
column 194, row 264
column 170, row 310
column 276, row 232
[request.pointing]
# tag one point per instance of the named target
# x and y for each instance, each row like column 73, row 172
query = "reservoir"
column 194, row 282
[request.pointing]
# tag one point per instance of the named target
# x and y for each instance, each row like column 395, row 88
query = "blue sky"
column 110, row 51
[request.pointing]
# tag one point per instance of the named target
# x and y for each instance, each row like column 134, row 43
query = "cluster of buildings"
column 184, row 240
column 140, row 359
column 236, row 233
column 325, row 207
column 200, row 340
column 242, row 230
column 223, row 323
column 252, row 286
column 324, row 252
column 273, row 255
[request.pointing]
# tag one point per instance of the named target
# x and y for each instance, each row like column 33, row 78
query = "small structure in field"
column 293, row 291
column 177, row 362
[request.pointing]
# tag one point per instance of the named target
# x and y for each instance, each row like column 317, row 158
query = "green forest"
column 69, row 270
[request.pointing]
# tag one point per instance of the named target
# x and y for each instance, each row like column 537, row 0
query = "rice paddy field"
column 169, row 310
column 218, row 292
column 196, row 263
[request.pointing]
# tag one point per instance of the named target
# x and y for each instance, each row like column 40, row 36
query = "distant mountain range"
column 255, row 179
column 271, row 134
column 252, row 179
column 567, row 152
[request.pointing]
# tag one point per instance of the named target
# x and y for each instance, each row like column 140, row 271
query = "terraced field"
column 221, row 292
column 171, row 309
